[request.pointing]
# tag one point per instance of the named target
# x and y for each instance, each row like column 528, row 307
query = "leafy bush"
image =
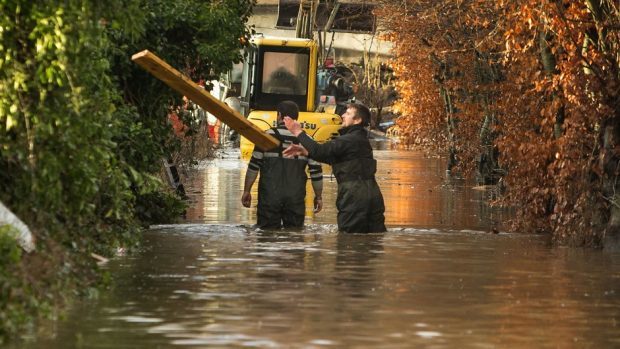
column 527, row 90
column 15, row 303
column 83, row 129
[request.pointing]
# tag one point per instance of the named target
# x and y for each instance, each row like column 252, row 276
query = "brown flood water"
column 436, row 279
column 416, row 189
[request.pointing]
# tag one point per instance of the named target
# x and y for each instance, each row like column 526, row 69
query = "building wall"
column 348, row 47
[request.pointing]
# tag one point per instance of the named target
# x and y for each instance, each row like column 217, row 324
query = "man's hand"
column 292, row 125
column 295, row 150
column 246, row 199
column 318, row 204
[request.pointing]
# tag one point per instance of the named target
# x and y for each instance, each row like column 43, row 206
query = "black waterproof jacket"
column 281, row 190
column 360, row 203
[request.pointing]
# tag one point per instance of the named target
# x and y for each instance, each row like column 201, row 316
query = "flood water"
column 417, row 193
column 437, row 279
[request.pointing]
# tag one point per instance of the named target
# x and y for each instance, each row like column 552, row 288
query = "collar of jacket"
column 348, row 129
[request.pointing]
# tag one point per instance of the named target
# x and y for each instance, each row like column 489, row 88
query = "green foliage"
column 10, row 252
column 58, row 129
column 201, row 39
column 83, row 129
column 159, row 208
column 15, row 303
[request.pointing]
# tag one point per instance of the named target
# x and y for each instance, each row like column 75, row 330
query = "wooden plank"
column 182, row 84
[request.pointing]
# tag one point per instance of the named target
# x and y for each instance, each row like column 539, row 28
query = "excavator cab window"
column 285, row 73
column 282, row 74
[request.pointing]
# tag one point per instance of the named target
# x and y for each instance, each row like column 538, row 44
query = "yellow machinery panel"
column 320, row 126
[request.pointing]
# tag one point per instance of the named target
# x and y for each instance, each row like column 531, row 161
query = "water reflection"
column 416, row 189
column 354, row 269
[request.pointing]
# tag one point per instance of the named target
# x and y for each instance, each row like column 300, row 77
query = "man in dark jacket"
column 359, row 202
column 282, row 183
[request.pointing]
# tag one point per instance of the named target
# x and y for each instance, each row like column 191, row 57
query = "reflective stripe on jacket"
column 282, row 183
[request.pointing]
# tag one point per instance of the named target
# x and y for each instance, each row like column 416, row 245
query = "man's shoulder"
column 355, row 134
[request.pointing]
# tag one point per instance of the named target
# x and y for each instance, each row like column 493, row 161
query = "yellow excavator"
column 278, row 69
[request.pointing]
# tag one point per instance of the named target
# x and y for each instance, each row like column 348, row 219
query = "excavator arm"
column 306, row 19
column 309, row 17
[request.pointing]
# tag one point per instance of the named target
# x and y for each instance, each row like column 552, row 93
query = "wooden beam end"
column 139, row 55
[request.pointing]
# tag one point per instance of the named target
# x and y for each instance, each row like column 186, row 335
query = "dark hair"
column 288, row 108
column 362, row 112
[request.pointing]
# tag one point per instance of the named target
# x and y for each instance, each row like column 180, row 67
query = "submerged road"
column 416, row 189
column 436, row 279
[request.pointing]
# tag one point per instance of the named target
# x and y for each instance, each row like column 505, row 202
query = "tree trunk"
column 549, row 66
column 599, row 17
column 487, row 161
column 451, row 126
column 443, row 74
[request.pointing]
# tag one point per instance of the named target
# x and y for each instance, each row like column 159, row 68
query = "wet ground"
column 436, row 279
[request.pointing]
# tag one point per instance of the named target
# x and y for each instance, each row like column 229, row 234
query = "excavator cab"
column 278, row 69
column 281, row 69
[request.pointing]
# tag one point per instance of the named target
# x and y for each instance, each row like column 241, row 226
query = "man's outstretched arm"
column 320, row 152
column 316, row 176
column 250, row 177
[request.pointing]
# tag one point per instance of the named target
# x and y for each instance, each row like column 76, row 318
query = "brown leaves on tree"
column 536, row 81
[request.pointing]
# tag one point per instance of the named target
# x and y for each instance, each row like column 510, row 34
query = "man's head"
column 287, row 108
column 356, row 114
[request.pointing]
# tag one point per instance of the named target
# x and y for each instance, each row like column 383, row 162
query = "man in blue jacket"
column 360, row 202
